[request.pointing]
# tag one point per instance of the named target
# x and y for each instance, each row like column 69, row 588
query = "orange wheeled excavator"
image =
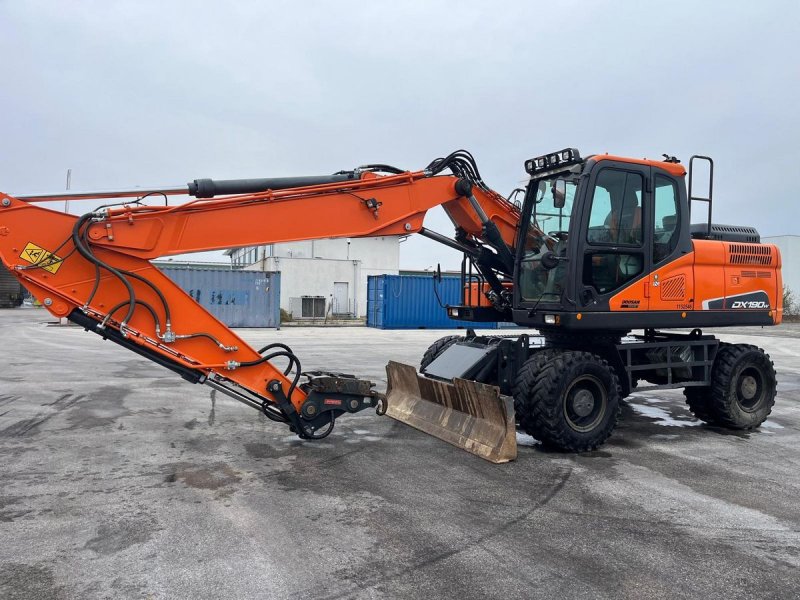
column 600, row 246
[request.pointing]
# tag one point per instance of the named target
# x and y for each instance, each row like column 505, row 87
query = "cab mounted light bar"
column 556, row 160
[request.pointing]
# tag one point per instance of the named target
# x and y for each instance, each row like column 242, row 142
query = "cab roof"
column 676, row 169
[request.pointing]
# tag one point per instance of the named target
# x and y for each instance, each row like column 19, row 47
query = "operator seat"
column 610, row 271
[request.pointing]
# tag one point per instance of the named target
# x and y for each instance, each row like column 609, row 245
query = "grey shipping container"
column 237, row 298
column 11, row 290
column 411, row 302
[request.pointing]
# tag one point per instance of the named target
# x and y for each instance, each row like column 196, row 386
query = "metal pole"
column 174, row 190
column 66, row 211
column 69, row 183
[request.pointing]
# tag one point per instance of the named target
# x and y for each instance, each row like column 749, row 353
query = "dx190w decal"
column 749, row 301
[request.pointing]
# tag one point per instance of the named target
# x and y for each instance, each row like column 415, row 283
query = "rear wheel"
column 569, row 400
column 697, row 398
column 436, row 348
column 743, row 387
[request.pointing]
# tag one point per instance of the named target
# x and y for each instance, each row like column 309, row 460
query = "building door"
column 340, row 296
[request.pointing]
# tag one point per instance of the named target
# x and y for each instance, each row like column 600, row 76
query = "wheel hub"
column 583, row 403
column 749, row 387
column 750, row 390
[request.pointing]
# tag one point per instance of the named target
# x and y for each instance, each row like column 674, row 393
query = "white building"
column 335, row 270
column 789, row 245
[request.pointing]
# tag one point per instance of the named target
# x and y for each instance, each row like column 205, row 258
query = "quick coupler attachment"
column 331, row 395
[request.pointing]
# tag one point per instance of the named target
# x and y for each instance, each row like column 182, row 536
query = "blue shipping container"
column 237, row 298
column 410, row 302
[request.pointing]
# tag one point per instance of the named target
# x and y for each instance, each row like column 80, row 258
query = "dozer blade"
column 470, row 415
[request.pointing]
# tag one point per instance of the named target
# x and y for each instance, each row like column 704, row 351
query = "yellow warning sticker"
column 36, row 255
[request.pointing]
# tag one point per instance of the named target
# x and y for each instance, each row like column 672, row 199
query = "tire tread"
column 721, row 401
column 541, row 380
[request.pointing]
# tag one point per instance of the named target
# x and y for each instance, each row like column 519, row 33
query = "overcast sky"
column 141, row 93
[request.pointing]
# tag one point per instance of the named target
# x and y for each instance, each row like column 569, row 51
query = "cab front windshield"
column 547, row 232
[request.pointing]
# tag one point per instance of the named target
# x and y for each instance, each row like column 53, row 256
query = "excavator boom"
column 95, row 269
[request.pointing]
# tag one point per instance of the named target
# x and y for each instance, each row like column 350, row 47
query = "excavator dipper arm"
column 96, row 270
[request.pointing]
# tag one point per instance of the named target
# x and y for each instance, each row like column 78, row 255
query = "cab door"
column 615, row 239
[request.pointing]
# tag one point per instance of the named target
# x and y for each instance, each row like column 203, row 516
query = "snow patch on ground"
column 771, row 425
column 663, row 417
column 651, row 400
column 523, row 439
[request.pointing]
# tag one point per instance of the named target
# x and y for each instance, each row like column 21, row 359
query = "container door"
column 372, row 301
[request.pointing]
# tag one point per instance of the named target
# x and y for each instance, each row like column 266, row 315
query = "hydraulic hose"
column 86, row 253
column 146, row 305
column 279, row 345
column 292, row 358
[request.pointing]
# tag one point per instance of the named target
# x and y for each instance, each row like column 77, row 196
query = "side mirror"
column 559, row 193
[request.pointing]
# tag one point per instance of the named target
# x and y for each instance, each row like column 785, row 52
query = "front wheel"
column 526, row 378
column 571, row 401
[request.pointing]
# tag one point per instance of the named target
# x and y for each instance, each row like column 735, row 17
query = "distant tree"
column 790, row 308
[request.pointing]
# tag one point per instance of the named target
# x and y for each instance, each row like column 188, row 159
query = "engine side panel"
column 735, row 277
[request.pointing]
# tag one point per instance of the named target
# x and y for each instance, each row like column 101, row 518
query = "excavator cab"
column 591, row 233
column 618, row 221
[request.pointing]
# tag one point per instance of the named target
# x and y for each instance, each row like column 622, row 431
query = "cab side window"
column 616, row 214
column 665, row 214
column 615, row 219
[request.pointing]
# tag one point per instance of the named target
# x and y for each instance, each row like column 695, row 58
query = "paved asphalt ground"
column 119, row 480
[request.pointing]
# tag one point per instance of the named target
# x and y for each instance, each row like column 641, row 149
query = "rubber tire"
column 526, row 377
column 541, row 409
column 436, row 348
column 722, row 400
column 697, row 399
